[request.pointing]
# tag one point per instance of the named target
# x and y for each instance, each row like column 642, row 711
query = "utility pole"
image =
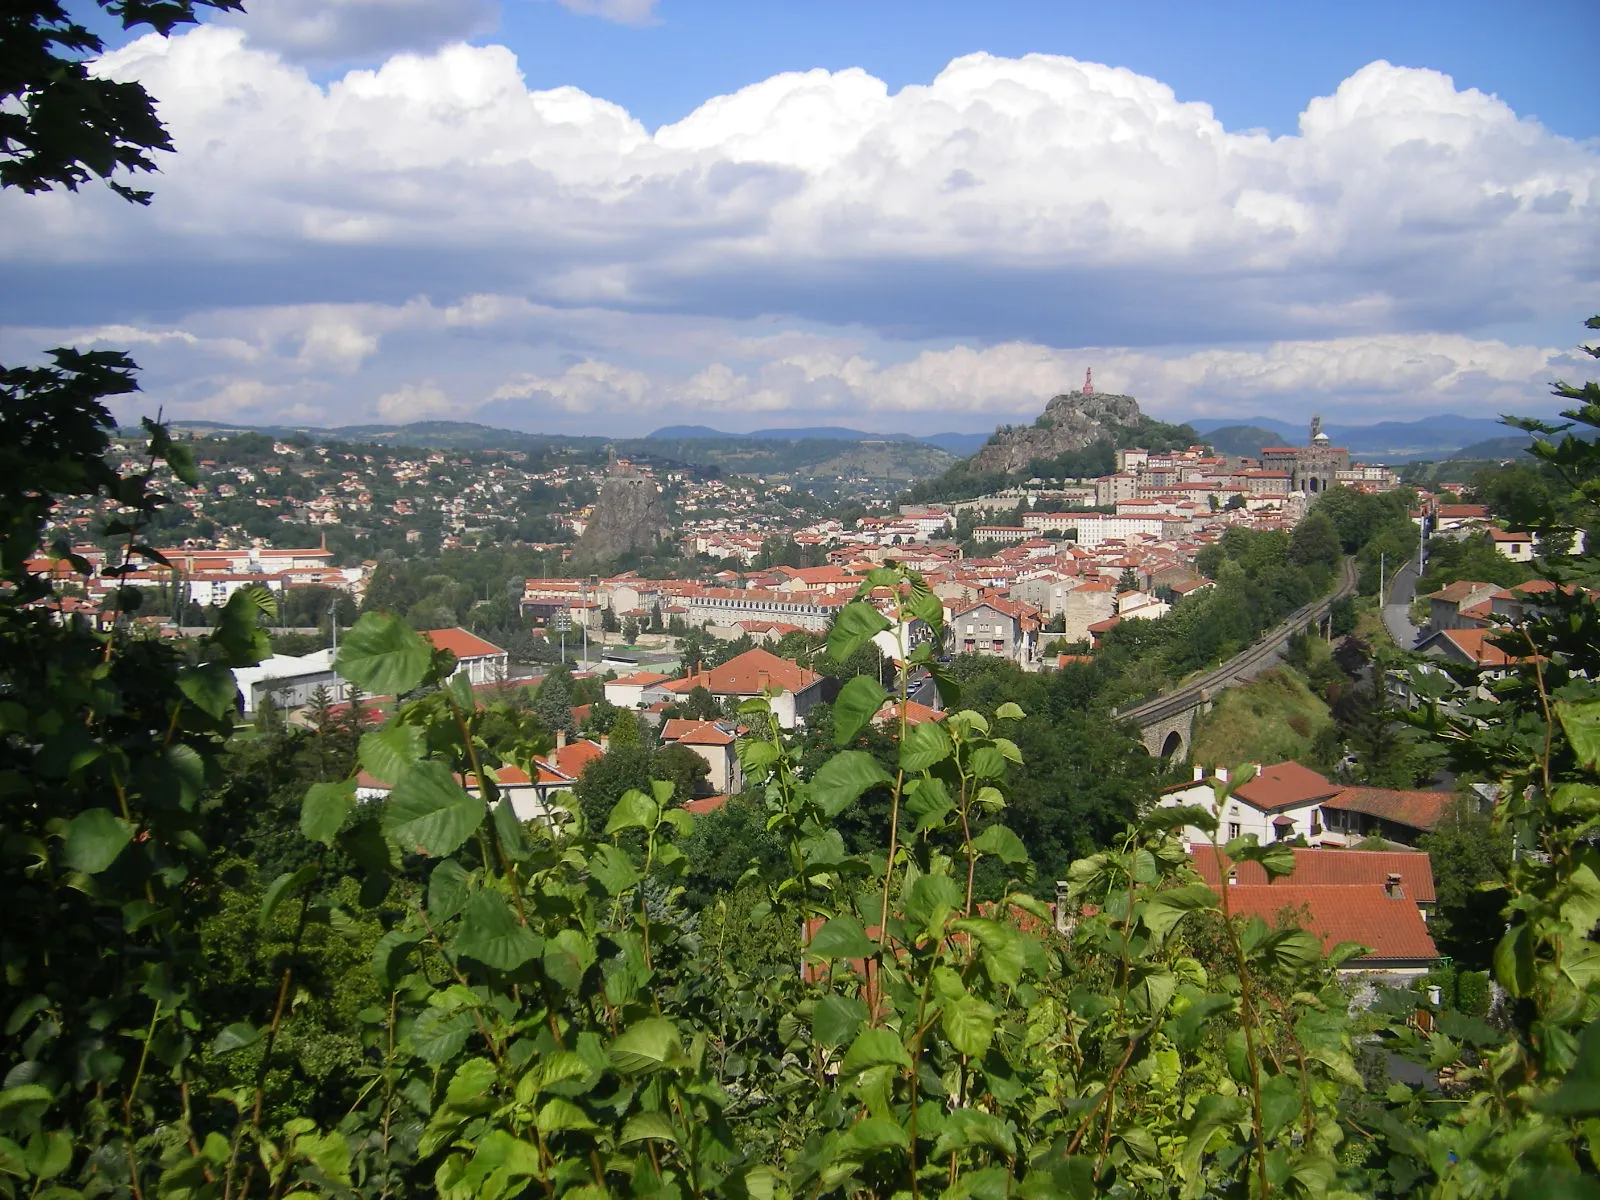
column 333, row 624
column 1381, row 578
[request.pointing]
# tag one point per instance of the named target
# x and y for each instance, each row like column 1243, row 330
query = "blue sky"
column 610, row 215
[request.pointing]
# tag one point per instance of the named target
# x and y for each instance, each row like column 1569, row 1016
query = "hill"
column 959, row 444
column 1243, row 441
column 1077, row 436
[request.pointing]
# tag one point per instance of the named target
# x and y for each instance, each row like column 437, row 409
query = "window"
column 1233, row 830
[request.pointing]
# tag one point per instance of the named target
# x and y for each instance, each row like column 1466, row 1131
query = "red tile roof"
column 461, row 643
column 916, row 714
column 1472, row 645
column 1391, row 927
column 641, row 679
column 1419, row 810
column 1284, row 785
column 691, row 732
column 1329, row 868
column 748, row 674
column 705, row 804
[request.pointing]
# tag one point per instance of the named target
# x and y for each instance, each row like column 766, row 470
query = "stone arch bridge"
column 1166, row 723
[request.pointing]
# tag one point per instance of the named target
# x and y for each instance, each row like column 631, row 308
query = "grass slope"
column 1273, row 718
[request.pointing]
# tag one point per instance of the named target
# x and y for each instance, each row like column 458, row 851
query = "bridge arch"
column 1173, row 747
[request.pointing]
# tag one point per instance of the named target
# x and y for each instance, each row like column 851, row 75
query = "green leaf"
column 1002, row 843
column 438, row 1036
column 237, row 1036
column 969, row 1024
column 925, row 745
column 836, row 1019
column 648, row 1126
column 48, row 1155
column 1004, row 954
column 567, row 956
column 238, row 633
column 1212, row 1114
column 559, row 1115
column 987, row 762
column 843, row 778
column 389, row 956
column 1579, row 1094
column 856, row 623
column 1276, row 859
column 1009, row 711
column 491, row 933
column 840, row 937
column 282, row 888
column 1163, row 911
column 1580, row 721
column 324, row 810
column 387, row 753
column 634, row 810
column 94, row 840
column 1513, row 960
column 930, row 893
column 429, row 813
column 646, row 1045
column 383, row 655
column 875, row 1048
column 612, row 867
column 447, row 890
column 876, row 1133
column 928, row 801
column 210, row 688
column 857, row 703
column 1280, row 1103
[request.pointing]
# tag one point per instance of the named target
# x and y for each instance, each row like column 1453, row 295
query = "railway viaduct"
column 1166, row 723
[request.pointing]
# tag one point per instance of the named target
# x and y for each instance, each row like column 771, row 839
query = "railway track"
column 1195, row 692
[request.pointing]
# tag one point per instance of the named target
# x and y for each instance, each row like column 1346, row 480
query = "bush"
column 1473, row 993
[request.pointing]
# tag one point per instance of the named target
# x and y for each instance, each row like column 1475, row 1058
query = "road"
column 1245, row 665
column 1397, row 608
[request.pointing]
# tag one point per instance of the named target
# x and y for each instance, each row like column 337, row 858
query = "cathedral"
column 1311, row 468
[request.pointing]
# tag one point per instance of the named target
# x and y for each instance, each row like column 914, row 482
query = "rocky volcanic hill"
column 628, row 515
column 1069, row 422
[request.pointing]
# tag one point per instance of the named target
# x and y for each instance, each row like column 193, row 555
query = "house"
column 1412, row 869
column 532, row 798
column 996, row 626
column 1379, row 916
column 291, row 680
column 791, row 689
column 1277, row 803
column 478, row 660
column 714, row 741
column 1472, row 648
column 1518, row 547
column 1445, row 606
column 627, row 691
column 1394, row 815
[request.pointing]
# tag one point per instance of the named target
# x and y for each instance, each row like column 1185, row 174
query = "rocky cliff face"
column 1069, row 422
column 628, row 515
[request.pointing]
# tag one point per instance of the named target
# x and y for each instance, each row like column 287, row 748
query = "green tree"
column 1466, row 851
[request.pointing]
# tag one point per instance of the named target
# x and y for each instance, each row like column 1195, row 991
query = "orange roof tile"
column 1391, row 927
column 1418, row 809
column 748, row 674
column 1326, row 868
column 1284, row 785
column 461, row 643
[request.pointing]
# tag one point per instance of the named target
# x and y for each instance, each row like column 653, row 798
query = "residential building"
column 479, row 660
column 791, row 689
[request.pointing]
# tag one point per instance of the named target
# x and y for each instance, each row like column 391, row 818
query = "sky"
column 608, row 216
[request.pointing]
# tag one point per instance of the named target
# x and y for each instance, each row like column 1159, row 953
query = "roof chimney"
column 1222, row 774
column 1061, row 905
column 1233, row 876
column 1199, row 774
column 561, row 739
column 1391, row 886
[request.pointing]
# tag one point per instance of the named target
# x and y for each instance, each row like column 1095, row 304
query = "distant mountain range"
column 959, row 444
column 1443, row 436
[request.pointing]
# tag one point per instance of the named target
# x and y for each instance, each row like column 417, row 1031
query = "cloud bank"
column 810, row 243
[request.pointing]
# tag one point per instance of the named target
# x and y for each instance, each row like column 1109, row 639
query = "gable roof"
column 748, row 674
column 1419, row 810
column 1390, row 926
column 1284, row 785
column 1471, row 646
column 461, row 643
column 1327, row 868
